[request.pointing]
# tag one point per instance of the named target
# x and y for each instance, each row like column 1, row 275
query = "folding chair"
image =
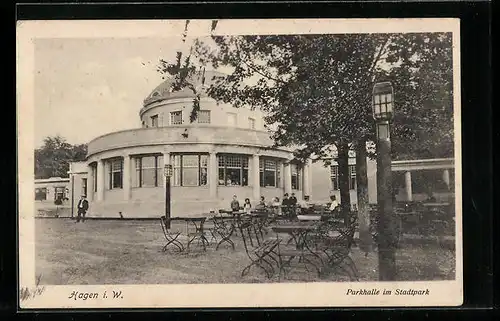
column 170, row 237
column 262, row 253
column 224, row 230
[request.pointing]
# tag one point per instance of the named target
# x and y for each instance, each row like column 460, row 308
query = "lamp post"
column 168, row 174
column 383, row 104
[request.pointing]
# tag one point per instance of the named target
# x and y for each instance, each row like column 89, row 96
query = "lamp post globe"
column 388, row 235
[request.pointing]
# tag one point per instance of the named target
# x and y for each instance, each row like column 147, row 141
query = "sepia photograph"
column 239, row 163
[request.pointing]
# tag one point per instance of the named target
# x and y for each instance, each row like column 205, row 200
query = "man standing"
column 235, row 205
column 83, row 206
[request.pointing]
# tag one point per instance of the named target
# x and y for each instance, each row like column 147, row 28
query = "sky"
column 89, row 87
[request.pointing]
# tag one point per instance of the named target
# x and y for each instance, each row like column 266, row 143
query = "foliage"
column 53, row 158
column 316, row 89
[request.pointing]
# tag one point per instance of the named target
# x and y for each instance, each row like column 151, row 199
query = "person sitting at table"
column 247, row 206
column 334, row 205
column 235, row 205
column 276, row 206
column 262, row 204
column 304, row 205
column 285, row 204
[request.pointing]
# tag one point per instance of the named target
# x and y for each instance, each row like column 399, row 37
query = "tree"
column 53, row 158
column 316, row 90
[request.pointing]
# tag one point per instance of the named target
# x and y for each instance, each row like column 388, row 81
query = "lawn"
column 129, row 252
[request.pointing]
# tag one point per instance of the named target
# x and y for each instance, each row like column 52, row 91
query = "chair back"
column 248, row 231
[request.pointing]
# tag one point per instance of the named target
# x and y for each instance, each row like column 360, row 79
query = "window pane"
column 148, row 177
column 117, row 179
column 148, row 162
column 221, row 176
column 377, row 99
column 204, row 117
column 190, row 176
column 176, row 117
column 177, row 160
column 233, row 177
column 116, row 165
column 190, row 160
column 270, row 165
column 377, row 109
column 177, row 176
column 203, row 177
column 389, row 97
column 245, row 177
column 382, row 98
column 204, row 160
column 269, row 178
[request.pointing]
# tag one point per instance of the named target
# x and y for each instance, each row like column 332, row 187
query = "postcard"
column 239, row 163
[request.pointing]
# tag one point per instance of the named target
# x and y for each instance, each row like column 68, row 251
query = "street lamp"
column 383, row 105
column 168, row 173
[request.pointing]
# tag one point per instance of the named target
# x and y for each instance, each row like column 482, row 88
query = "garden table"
column 198, row 224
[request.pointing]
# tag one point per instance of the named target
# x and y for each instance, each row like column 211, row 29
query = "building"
column 225, row 152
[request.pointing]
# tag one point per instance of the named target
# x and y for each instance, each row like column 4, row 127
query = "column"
column 446, row 178
column 287, row 175
column 166, row 161
column 256, row 177
column 212, row 174
column 306, row 177
column 409, row 193
column 100, row 180
column 90, row 183
column 126, row 177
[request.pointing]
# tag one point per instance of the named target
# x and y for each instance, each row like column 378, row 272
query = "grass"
column 129, row 252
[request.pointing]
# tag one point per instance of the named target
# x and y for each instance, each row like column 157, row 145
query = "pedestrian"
column 235, row 205
column 247, row 206
column 83, row 206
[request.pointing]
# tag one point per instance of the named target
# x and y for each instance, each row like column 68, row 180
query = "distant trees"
column 53, row 158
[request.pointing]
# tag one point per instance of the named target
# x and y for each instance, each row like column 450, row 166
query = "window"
column 154, row 121
column 334, row 175
column 204, row 117
column 296, row 182
column 84, row 186
column 231, row 119
column 269, row 172
column 176, row 118
column 41, row 194
column 148, row 171
column 116, row 174
column 352, row 176
column 233, row 170
column 59, row 193
column 251, row 123
column 190, row 170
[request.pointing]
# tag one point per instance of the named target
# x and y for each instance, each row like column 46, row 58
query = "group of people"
column 286, row 206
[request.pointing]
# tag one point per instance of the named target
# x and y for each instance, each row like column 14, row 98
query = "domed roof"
column 163, row 91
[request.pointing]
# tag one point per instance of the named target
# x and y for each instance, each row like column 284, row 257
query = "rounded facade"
column 224, row 152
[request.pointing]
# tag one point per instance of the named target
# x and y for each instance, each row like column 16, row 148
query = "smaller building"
column 48, row 190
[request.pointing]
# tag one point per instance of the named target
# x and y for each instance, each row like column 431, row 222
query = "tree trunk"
column 365, row 237
column 345, row 197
